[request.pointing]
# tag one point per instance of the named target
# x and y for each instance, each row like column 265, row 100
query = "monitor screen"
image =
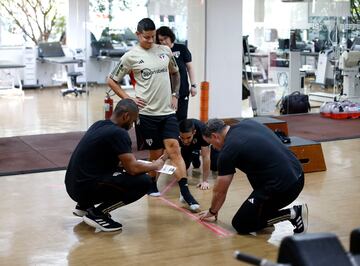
column 284, row 44
column 50, row 49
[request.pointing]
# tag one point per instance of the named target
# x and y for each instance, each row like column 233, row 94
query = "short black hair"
column 146, row 24
column 165, row 31
column 186, row 125
column 124, row 106
column 214, row 125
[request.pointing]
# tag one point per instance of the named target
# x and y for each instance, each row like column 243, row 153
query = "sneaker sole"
column 155, row 194
column 305, row 216
column 97, row 226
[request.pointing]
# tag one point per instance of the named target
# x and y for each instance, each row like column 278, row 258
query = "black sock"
column 184, row 190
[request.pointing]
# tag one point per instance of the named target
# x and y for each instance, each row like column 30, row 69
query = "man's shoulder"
column 179, row 46
column 162, row 48
column 198, row 123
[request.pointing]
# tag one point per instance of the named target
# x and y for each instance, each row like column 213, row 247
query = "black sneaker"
column 300, row 222
column 153, row 191
column 101, row 221
column 79, row 211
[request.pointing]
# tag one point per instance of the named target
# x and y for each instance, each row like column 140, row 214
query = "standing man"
column 273, row 171
column 93, row 175
column 156, row 96
column 192, row 145
column 165, row 36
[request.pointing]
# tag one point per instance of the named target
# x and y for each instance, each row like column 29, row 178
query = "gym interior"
column 254, row 56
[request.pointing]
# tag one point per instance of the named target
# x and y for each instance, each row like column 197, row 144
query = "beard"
column 127, row 126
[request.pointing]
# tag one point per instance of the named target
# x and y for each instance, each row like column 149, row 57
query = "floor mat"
column 39, row 153
column 317, row 128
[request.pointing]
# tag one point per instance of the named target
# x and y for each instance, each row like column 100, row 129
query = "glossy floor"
column 37, row 226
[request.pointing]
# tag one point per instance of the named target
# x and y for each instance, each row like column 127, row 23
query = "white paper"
column 166, row 169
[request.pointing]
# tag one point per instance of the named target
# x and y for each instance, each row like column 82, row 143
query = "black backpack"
column 295, row 103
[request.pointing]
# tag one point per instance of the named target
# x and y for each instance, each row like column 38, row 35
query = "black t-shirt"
column 182, row 56
column 198, row 140
column 97, row 153
column 255, row 150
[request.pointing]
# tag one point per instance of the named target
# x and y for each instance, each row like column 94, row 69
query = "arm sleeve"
column 225, row 164
column 121, row 142
column 187, row 55
column 121, row 69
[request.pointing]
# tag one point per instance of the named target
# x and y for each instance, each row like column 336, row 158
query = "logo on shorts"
column 149, row 142
column 251, row 200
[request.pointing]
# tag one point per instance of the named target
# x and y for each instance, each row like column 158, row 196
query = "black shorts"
column 153, row 130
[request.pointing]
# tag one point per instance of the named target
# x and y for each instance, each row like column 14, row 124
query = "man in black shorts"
column 93, row 175
column 157, row 89
column 192, row 145
column 274, row 173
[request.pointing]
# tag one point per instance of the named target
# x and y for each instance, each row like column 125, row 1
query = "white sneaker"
column 155, row 194
column 192, row 207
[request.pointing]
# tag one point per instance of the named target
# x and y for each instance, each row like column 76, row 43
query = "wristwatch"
column 193, row 86
column 175, row 94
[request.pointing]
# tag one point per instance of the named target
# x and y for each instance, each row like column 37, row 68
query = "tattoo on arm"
column 175, row 82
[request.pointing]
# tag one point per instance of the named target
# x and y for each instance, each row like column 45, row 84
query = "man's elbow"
column 132, row 171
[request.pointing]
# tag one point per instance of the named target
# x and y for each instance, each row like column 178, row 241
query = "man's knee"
column 240, row 227
column 244, row 225
column 145, row 182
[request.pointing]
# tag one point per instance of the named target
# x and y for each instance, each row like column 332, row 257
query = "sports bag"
column 295, row 103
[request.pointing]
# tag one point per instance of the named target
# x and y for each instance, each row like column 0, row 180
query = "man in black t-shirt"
column 274, row 173
column 165, row 36
column 192, row 144
column 103, row 170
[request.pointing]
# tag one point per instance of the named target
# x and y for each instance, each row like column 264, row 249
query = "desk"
column 7, row 81
column 60, row 60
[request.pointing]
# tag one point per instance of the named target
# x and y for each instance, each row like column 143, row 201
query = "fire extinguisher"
column 108, row 106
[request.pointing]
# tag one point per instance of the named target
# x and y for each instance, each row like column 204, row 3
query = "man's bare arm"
column 175, row 82
column 116, row 87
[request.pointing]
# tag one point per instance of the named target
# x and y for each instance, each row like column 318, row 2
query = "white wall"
column 196, row 44
column 223, row 68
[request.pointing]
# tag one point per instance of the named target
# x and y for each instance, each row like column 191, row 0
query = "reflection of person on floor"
column 274, row 173
column 192, row 144
column 156, row 89
column 93, row 175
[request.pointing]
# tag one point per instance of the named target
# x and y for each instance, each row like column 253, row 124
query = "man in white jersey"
column 157, row 88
